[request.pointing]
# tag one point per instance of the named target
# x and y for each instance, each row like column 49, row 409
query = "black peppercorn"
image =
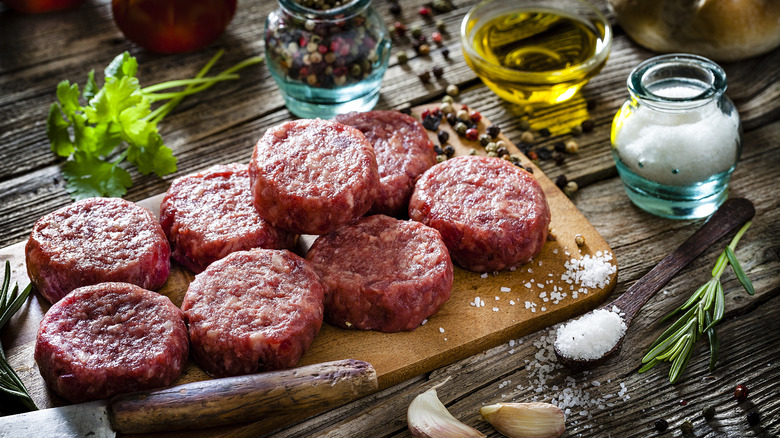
column 425, row 76
column 561, row 181
column 452, row 119
column 395, row 9
column 588, row 125
column 449, row 150
column 558, row 158
column 709, row 413
column 445, row 53
column 559, row 146
column 493, row 131
column 502, row 151
column 438, row 149
column 431, row 122
column 753, row 418
column 438, row 72
column 443, row 137
column 543, row 153
column 661, row 425
column 544, row 132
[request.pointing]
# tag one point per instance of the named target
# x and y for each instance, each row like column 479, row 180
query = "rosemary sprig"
column 10, row 302
column 703, row 310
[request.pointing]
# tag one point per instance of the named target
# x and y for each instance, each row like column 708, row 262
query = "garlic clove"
column 427, row 417
column 525, row 420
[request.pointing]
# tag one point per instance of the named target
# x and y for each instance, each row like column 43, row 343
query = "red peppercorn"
column 425, row 114
column 322, row 48
column 424, row 11
column 475, row 116
column 436, row 37
column 741, row 393
column 532, row 156
column 472, row 134
column 400, row 29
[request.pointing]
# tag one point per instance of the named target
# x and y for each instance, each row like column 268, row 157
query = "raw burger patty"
column 312, row 176
column 382, row 273
column 491, row 214
column 403, row 153
column 109, row 339
column 256, row 310
column 94, row 241
column 208, row 215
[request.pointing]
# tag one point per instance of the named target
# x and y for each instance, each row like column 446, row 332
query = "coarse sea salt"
column 590, row 336
column 591, row 271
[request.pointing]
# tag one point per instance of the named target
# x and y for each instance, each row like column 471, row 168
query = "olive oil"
column 536, row 56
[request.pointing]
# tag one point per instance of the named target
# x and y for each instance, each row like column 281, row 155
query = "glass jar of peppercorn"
column 327, row 56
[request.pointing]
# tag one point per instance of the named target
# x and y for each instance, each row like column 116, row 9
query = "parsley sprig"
column 118, row 114
column 10, row 301
column 703, row 310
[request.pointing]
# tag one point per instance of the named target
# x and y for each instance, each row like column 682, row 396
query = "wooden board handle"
column 732, row 214
column 241, row 399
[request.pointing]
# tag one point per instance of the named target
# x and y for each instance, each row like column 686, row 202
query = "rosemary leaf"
column 680, row 362
column 679, row 323
column 10, row 302
column 712, row 337
column 669, row 341
column 746, row 283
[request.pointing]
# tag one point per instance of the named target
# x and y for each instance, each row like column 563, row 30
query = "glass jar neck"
column 348, row 9
column 677, row 82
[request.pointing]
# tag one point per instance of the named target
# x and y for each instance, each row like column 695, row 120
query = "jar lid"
column 677, row 80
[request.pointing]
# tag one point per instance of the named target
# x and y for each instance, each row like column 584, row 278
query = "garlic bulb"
column 525, row 420
column 427, row 417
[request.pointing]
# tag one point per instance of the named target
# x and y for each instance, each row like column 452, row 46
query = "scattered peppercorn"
column 431, row 122
column 424, row 49
column 462, row 115
column 452, row 90
column 590, row 104
column 445, row 53
column 472, row 151
column 451, row 119
column 443, row 6
column 686, row 427
column 438, row 72
column 402, row 57
column 461, row 128
column 449, row 150
column 438, row 149
column 527, row 137
column 741, row 393
column 559, row 158
column 576, row 130
column 424, row 11
column 491, row 147
column 484, row 139
column 443, row 137
column 493, row 131
column 683, row 402
column 753, row 418
column 588, row 125
column 570, row 188
column 446, row 108
column 416, row 32
column 543, row 153
column 572, row 147
column 532, row 156
column 400, row 28
column 472, row 134
column 447, row 98
column 661, row 425
column 441, row 26
column 579, row 239
column 709, row 413
column 436, row 37
column 425, row 76
column 544, row 132
column 502, row 152
column 441, row 158
column 492, row 154
column 501, row 143
column 559, row 146
column 561, row 181
column 395, row 9
column 475, row 116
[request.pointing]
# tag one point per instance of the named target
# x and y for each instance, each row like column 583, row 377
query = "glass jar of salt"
column 327, row 56
column 677, row 139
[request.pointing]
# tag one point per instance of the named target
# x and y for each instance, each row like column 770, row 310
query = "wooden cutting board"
column 459, row 330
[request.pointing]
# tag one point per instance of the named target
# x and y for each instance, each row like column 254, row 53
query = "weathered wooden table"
column 219, row 126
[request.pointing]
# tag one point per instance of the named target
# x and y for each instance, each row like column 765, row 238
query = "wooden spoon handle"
column 240, row 399
column 732, row 214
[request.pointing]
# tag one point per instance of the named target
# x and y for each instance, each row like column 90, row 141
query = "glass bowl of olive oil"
column 535, row 52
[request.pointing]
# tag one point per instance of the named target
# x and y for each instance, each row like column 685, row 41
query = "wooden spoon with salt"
column 732, row 214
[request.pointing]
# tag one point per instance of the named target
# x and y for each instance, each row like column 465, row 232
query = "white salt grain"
column 441, row 329
column 591, row 336
column 506, row 289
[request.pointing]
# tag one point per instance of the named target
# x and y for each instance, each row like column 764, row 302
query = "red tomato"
column 40, row 6
column 173, row 26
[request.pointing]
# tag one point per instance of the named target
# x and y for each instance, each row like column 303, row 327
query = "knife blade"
column 206, row 403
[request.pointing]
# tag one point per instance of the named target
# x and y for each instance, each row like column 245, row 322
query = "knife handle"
column 241, row 399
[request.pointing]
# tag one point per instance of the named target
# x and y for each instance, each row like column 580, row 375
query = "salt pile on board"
column 590, row 271
column 591, row 336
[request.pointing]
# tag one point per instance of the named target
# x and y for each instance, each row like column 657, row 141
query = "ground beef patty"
column 110, row 338
column 312, row 176
column 256, row 310
column 491, row 214
column 382, row 273
column 403, row 153
column 93, row 241
column 208, row 215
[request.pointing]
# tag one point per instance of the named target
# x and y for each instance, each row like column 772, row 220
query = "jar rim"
column 346, row 10
column 687, row 68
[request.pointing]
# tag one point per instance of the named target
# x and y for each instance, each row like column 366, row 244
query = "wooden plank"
column 457, row 331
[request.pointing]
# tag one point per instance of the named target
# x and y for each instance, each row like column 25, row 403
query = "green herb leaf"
column 57, row 131
column 122, row 65
column 68, row 96
column 91, row 88
column 88, row 176
column 746, row 283
column 10, row 302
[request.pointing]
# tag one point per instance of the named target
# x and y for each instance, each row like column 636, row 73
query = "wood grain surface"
column 220, row 126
